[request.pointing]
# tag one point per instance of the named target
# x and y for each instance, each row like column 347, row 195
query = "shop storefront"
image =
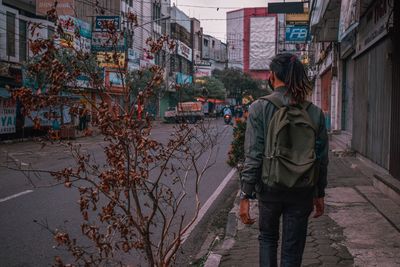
column 373, row 84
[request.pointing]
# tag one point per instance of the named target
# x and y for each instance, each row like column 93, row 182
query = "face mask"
column 270, row 84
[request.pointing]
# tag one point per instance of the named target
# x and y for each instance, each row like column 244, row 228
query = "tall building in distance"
column 251, row 40
column 214, row 51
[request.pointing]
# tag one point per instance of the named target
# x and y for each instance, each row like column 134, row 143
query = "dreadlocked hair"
column 290, row 70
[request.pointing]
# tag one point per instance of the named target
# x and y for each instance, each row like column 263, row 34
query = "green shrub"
column 236, row 152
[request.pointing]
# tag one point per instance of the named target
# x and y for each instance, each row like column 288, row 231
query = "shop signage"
column 133, row 66
column 7, row 115
column 111, row 60
column 296, row 33
column 348, row 18
column 133, row 54
column 374, row 24
column 102, row 41
column 101, row 20
column 183, row 50
column 69, row 38
column 183, row 78
column 147, row 61
column 115, row 79
column 202, row 71
column 133, row 59
column 64, row 7
column 298, row 18
column 285, row 8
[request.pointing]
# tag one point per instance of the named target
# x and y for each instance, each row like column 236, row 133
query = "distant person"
column 227, row 111
column 286, row 159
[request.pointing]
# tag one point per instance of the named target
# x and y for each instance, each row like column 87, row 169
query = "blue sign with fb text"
column 297, row 33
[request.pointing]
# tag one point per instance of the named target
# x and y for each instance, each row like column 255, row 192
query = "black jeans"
column 294, row 231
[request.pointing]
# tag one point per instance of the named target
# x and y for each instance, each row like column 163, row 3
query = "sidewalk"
column 360, row 226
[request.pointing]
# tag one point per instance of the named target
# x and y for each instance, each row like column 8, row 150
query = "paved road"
column 24, row 242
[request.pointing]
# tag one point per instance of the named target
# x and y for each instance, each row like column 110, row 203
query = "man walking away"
column 286, row 148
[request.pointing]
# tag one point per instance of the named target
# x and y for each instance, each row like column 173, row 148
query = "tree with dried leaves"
column 131, row 203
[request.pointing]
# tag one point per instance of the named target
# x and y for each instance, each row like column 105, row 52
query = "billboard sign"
column 262, row 42
column 8, row 115
column 64, row 7
column 101, row 20
column 297, row 33
column 102, row 41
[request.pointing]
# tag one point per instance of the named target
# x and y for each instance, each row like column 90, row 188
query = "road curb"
column 231, row 228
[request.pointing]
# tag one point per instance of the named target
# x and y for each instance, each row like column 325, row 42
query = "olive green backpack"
column 290, row 159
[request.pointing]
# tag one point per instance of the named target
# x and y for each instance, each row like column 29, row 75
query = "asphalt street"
column 23, row 241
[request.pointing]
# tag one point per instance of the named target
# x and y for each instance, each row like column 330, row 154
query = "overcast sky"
column 213, row 20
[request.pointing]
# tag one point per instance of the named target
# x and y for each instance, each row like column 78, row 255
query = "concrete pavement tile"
column 310, row 262
column 324, row 251
column 344, row 255
column 213, row 260
column 310, row 255
column 310, row 249
column 323, row 241
column 329, row 259
column 346, row 263
column 311, row 244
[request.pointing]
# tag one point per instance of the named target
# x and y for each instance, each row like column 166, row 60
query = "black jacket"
column 260, row 114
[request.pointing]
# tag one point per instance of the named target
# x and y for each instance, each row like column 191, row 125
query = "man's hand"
column 319, row 207
column 244, row 212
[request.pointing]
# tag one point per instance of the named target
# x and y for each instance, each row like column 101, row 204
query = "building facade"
column 355, row 78
column 252, row 40
column 214, row 51
column 16, row 18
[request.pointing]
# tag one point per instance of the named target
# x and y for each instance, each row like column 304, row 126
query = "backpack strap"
column 306, row 104
column 274, row 100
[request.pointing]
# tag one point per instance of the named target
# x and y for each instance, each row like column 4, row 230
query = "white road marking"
column 208, row 204
column 16, row 195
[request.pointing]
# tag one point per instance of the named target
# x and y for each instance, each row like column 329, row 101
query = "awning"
column 324, row 22
column 4, row 93
column 210, row 100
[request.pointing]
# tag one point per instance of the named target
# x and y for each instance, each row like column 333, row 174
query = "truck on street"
column 190, row 112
